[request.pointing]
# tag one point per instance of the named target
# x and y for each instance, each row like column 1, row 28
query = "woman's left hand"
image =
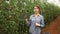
column 37, row 24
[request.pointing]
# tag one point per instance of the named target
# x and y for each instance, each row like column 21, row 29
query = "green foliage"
column 50, row 12
column 12, row 15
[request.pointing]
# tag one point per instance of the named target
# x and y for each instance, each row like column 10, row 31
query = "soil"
column 53, row 27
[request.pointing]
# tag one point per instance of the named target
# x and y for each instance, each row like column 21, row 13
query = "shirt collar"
column 34, row 16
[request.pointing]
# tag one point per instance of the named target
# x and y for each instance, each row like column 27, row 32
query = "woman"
column 36, row 21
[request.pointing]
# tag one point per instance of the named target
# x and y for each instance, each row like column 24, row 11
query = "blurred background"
column 12, row 12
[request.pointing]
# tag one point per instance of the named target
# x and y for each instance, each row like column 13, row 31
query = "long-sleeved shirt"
column 32, row 23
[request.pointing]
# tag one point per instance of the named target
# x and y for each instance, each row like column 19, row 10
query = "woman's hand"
column 26, row 19
column 37, row 24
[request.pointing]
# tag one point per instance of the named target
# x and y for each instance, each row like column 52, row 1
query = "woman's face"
column 36, row 10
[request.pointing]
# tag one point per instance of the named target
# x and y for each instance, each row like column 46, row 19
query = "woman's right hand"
column 26, row 19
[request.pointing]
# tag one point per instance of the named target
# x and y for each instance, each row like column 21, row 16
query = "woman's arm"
column 28, row 22
column 42, row 22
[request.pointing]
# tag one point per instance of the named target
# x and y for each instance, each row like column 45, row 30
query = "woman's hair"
column 36, row 6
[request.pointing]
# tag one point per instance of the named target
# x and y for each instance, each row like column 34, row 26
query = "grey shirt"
column 32, row 23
